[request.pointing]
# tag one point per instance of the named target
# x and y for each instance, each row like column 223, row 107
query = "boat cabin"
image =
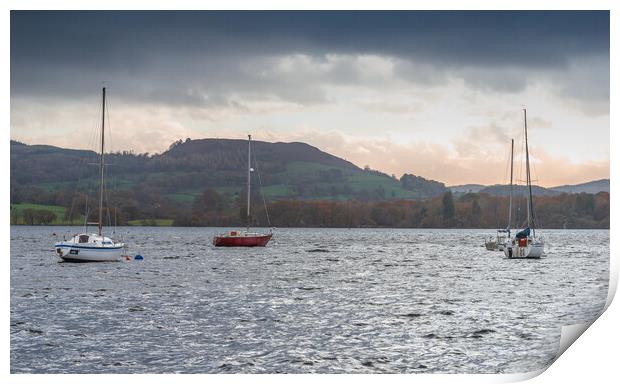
column 91, row 239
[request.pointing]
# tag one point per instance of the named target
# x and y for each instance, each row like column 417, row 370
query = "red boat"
column 242, row 239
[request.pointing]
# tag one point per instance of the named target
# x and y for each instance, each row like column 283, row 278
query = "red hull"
column 242, row 241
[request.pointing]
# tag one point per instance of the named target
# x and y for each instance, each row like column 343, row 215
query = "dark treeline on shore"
column 445, row 211
column 211, row 208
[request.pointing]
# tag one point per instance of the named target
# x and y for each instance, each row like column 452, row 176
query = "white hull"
column 85, row 247
column 75, row 253
column 496, row 243
column 494, row 246
column 533, row 250
column 491, row 246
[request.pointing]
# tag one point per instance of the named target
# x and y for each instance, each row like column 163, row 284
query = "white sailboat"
column 496, row 243
column 85, row 247
column 503, row 234
column 525, row 244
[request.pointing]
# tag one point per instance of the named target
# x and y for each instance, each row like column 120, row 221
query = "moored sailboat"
column 525, row 244
column 503, row 234
column 496, row 243
column 245, row 238
column 85, row 247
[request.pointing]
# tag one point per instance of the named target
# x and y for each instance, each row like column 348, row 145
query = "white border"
column 590, row 358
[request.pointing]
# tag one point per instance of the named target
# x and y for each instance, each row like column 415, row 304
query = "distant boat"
column 503, row 234
column 525, row 244
column 496, row 243
column 86, row 247
column 244, row 238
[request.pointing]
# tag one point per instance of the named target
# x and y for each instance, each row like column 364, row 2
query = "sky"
column 435, row 94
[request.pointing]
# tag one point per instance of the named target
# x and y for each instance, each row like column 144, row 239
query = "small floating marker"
column 138, row 257
column 127, row 257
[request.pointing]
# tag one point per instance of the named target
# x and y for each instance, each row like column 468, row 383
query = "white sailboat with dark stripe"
column 88, row 247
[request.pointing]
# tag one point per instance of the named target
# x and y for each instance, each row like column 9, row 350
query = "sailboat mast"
column 101, row 164
column 249, row 173
column 530, row 210
column 512, row 150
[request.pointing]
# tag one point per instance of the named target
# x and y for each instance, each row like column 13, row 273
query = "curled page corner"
column 518, row 377
column 570, row 333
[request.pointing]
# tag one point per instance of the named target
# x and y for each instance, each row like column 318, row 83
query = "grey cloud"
column 209, row 59
column 587, row 83
column 509, row 80
column 487, row 37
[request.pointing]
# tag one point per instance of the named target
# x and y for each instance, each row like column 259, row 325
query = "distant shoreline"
column 307, row 227
column 213, row 209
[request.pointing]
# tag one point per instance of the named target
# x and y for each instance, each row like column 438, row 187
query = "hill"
column 467, row 188
column 517, row 190
column 595, row 186
column 183, row 172
column 592, row 187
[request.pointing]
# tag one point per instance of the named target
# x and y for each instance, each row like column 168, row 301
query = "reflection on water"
column 314, row 300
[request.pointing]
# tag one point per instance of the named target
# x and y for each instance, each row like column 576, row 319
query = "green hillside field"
column 17, row 212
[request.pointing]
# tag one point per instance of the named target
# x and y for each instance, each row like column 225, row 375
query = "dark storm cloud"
column 204, row 55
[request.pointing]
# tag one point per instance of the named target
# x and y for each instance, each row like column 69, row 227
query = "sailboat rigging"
column 525, row 244
column 244, row 238
column 86, row 247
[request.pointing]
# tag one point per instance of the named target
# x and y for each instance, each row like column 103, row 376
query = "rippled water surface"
column 313, row 300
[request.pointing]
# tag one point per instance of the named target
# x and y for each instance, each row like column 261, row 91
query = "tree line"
column 32, row 216
column 212, row 208
column 470, row 210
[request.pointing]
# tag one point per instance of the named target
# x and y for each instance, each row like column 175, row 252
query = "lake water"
column 313, row 300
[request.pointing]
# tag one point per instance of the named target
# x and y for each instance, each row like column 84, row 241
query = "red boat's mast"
column 249, row 172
